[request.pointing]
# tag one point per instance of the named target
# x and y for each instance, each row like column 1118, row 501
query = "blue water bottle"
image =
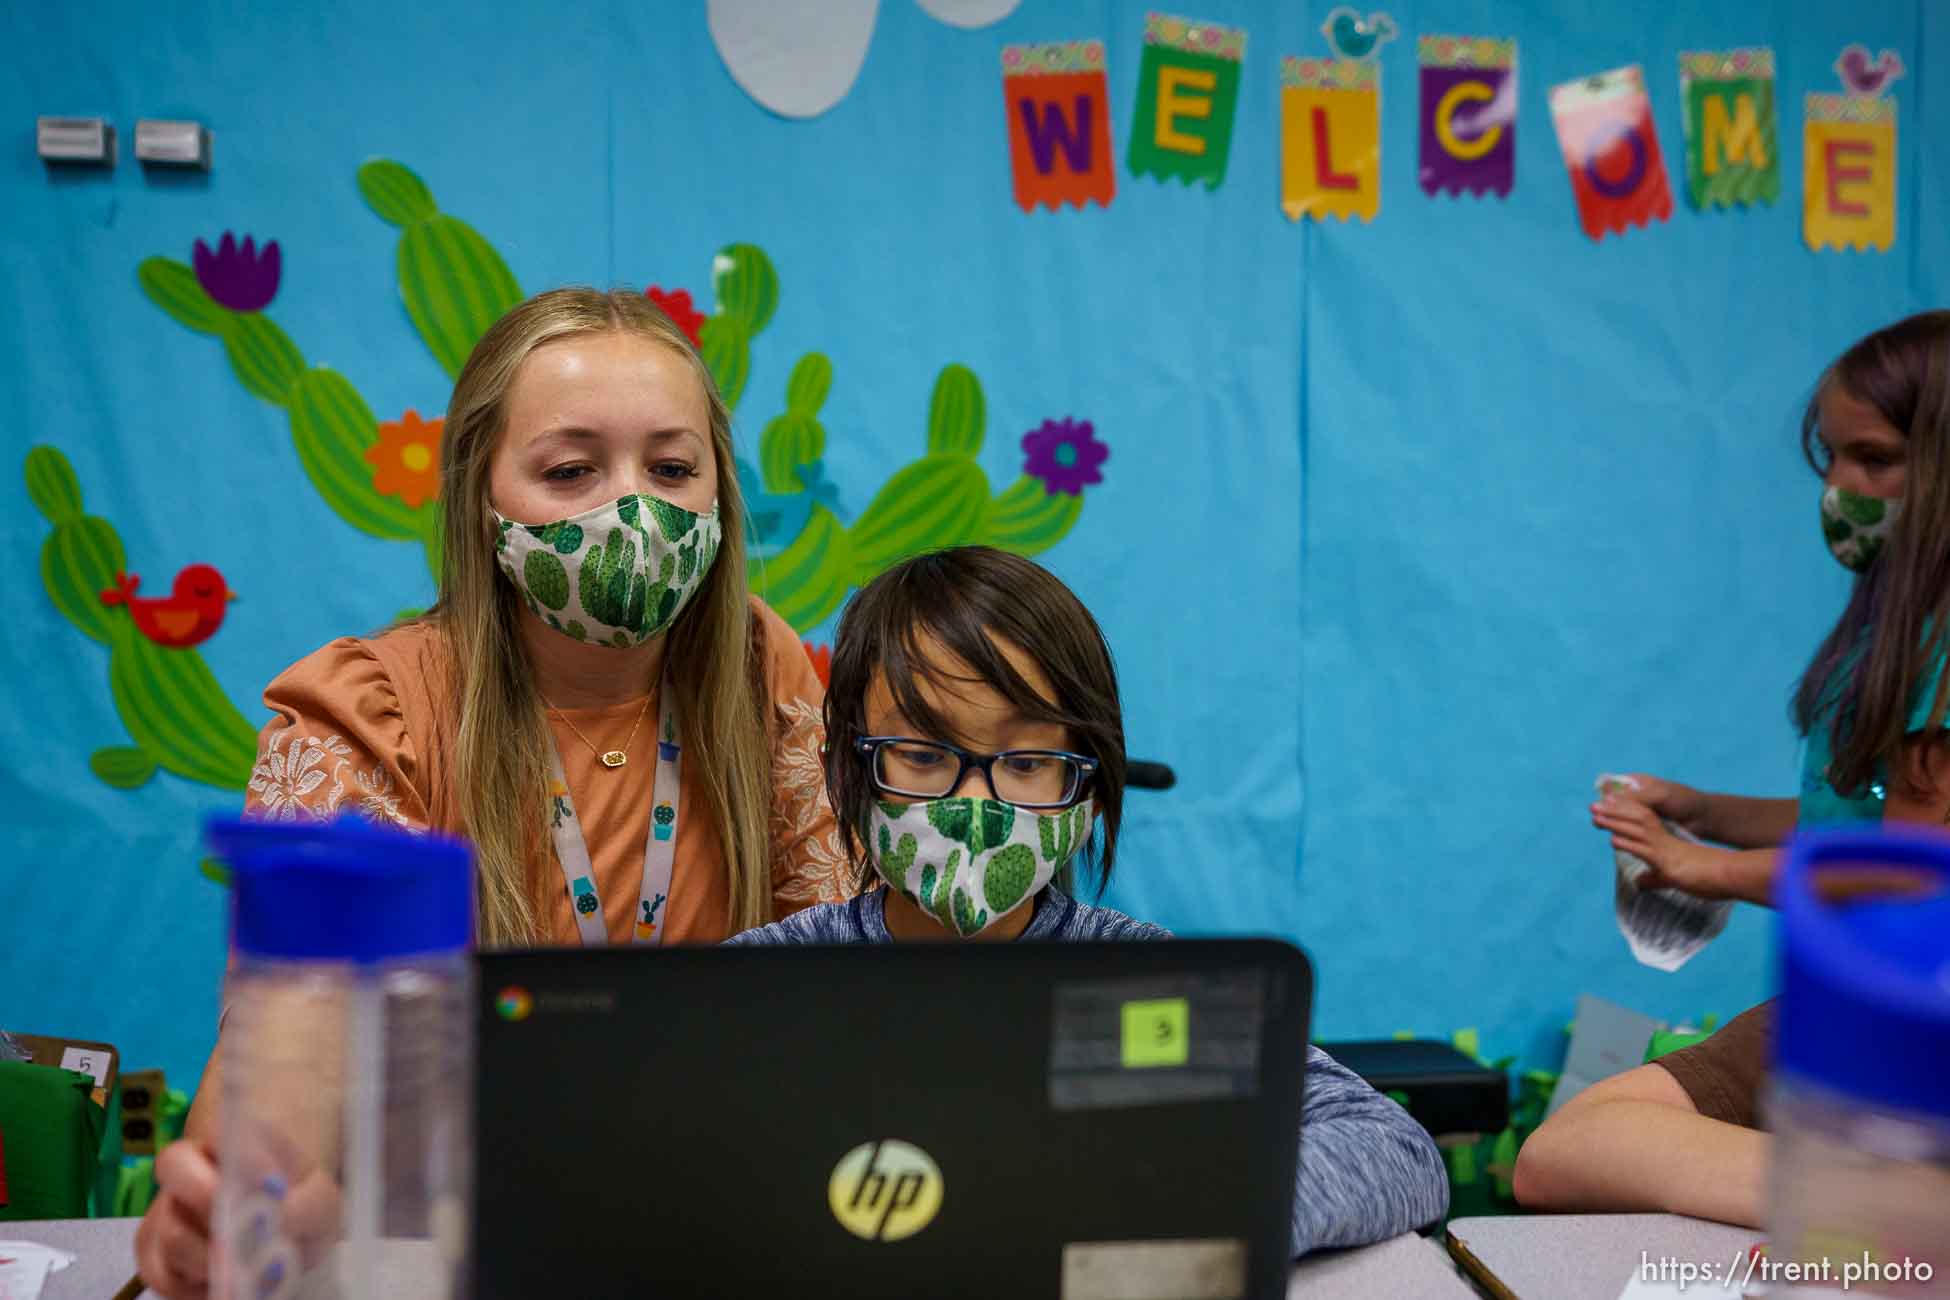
column 347, row 1052
column 1859, row 1191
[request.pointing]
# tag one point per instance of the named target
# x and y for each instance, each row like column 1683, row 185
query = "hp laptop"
column 1083, row 1121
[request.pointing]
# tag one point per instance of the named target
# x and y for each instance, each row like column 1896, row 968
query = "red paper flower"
column 1064, row 454
column 406, row 459
column 677, row 305
column 822, row 661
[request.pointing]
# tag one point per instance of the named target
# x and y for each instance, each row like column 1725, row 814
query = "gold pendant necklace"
column 609, row 758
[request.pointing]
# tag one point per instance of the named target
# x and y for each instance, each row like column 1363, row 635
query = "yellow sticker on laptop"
column 1157, row 1031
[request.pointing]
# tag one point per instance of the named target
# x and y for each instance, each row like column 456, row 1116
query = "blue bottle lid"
column 346, row 890
column 1865, row 985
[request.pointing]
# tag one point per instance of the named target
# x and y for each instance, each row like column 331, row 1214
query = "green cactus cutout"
column 747, row 290
column 807, row 581
column 1008, row 877
column 935, row 502
column 896, row 859
column 796, row 438
column 122, row 766
column 453, row 282
column 175, row 712
column 927, row 882
column 1028, row 518
column 940, row 500
column 957, row 413
column 967, row 919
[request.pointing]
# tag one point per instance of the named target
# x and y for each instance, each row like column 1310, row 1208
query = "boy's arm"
column 1368, row 1171
column 1637, row 1141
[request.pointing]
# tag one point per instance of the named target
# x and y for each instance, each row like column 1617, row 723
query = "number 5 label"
column 89, row 1061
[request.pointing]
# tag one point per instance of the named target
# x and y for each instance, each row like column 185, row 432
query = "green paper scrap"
column 1733, row 151
column 1185, row 105
column 1157, row 1031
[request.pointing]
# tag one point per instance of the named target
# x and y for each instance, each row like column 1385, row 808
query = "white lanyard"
column 659, row 847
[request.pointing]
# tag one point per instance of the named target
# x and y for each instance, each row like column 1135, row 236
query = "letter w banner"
column 1330, row 138
column 1733, row 154
column 1849, row 172
column 1188, row 90
column 1469, row 114
column 1059, row 124
column 1604, row 125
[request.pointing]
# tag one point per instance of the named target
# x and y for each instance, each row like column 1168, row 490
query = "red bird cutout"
column 189, row 615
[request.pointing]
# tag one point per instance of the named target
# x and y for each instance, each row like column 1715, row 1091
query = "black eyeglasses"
column 930, row 769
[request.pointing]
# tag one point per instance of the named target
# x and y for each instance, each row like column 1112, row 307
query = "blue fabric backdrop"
column 1408, row 528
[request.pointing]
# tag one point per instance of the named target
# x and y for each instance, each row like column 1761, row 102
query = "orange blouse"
column 365, row 724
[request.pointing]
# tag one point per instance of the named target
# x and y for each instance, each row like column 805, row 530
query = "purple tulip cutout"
column 242, row 279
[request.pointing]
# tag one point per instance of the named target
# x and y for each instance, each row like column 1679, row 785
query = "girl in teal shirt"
column 1870, row 707
column 1678, row 1135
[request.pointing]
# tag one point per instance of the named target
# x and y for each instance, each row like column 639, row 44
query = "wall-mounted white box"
column 172, row 144
column 84, row 140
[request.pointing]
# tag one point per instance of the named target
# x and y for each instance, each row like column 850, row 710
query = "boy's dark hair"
column 1901, row 606
column 961, row 598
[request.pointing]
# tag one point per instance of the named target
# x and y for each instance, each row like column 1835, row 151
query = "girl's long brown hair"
column 712, row 658
column 1863, row 677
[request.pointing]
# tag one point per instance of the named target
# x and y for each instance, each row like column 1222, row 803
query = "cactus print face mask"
column 616, row 575
column 970, row 862
column 1857, row 527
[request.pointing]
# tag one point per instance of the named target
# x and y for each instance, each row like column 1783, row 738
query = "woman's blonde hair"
column 712, row 656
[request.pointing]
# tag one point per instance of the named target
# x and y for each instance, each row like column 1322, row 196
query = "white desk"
column 1585, row 1256
column 1406, row 1268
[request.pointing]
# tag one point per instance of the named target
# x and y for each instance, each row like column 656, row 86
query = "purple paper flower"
column 242, row 279
column 1064, row 454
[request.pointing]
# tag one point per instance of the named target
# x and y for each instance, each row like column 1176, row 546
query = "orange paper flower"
column 406, row 459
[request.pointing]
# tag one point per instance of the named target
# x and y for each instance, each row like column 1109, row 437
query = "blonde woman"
column 630, row 739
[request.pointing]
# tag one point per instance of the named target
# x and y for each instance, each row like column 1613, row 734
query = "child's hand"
column 172, row 1244
column 1671, row 800
column 1636, row 829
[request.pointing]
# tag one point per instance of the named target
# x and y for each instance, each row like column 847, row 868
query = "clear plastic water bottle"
column 347, row 1063
column 1859, row 1194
